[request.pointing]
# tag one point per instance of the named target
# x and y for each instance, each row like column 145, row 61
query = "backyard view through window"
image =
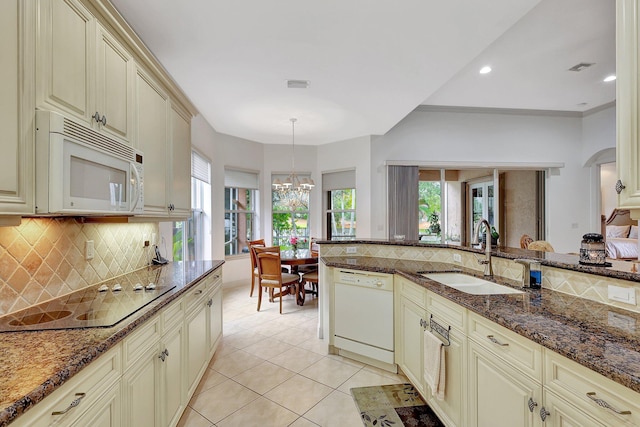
column 341, row 215
column 239, row 217
column 430, row 209
column 290, row 220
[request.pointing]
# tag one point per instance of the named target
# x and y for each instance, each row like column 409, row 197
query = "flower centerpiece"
column 295, row 242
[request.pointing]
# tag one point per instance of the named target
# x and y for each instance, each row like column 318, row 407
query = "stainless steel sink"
column 470, row 284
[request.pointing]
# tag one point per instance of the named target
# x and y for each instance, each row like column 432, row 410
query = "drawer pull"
column 495, row 341
column 604, row 404
column 198, row 292
column 73, row 404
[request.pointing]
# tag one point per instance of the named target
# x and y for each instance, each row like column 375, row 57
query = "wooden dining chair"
column 254, row 264
column 270, row 275
column 310, row 278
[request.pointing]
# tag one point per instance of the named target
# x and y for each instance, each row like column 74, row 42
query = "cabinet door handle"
column 591, row 395
column 103, row 120
column 544, row 413
column 96, row 117
column 495, row 341
column 210, row 302
column 162, row 356
column 619, row 187
column 198, row 292
column 73, row 404
column 532, row 404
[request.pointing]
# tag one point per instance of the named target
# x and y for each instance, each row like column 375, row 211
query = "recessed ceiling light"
column 609, row 78
column 581, row 66
column 485, row 70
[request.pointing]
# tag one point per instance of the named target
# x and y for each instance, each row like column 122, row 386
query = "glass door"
column 482, row 203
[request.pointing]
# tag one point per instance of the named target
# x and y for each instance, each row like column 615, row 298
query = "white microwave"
column 82, row 172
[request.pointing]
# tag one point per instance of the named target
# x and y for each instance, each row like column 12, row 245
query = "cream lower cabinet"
column 452, row 409
column 92, row 394
column 214, row 314
column 414, row 308
column 410, row 308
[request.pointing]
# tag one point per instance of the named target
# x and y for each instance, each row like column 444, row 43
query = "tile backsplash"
column 44, row 257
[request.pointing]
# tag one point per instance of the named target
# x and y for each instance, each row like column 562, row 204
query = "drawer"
column 411, row 291
column 447, row 313
column 582, row 386
column 519, row 351
column 172, row 315
column 144, row 337
column 77, row 395
column 195, row 295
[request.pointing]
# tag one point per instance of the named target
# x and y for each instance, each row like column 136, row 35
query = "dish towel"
column 434, row 364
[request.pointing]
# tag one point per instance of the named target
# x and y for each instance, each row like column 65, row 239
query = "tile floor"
column 271, row 370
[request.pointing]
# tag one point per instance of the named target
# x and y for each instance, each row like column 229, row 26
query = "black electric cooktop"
column 96, row 306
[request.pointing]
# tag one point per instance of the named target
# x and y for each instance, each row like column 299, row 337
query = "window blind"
column 200, row 168
column 234, row 178
column 338, row 180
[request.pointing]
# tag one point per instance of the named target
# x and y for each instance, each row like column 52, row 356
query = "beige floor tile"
column 263, row 377
column 316, row 345
column 222, row 400
column 296, row 359
column 365, row 378
column 236, row 362
column 298, row 394
column 292, row 335
column 260, row 413
column 210, row 379
column 330, row 372
column 268, row 348
column 191, row 418
column 303, row 422
column 244, row 338
column 335, row 410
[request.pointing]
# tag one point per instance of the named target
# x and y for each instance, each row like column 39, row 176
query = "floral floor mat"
column 394, row 405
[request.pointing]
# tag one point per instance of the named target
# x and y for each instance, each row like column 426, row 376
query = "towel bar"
column 441, row 330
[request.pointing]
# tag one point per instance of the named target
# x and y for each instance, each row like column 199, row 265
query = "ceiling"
column 371, row 63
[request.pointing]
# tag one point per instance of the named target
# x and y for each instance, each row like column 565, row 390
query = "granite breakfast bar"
column 34, row 364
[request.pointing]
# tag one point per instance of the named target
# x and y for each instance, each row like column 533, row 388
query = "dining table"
column 295, row 262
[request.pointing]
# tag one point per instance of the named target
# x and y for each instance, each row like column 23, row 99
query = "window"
column 341, row 215
column 189, row 237
column 429, row 210
column 240, row 207
column 288, row 220
column 340, row 190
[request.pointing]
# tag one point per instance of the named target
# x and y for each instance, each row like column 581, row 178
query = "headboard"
column 617, row 217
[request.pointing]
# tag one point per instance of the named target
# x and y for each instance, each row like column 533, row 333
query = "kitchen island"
column 36, row 363
column 566, row 353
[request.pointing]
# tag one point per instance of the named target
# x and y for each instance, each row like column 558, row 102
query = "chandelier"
column 293, row 191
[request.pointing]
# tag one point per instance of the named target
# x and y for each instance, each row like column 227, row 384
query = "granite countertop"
column 35, row 363
column 620, row 269
column 603, row 338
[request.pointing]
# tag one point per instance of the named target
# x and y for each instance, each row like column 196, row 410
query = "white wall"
column 351, row 154
column 225, row 150
column 598, row 132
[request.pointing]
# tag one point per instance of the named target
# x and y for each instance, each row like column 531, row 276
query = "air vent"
column 298, row 84
column 581, row 66
column 98, row 141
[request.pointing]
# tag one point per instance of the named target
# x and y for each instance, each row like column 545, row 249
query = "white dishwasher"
column 363, row 314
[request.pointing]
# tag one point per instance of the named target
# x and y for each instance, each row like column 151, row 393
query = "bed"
column 621, row 235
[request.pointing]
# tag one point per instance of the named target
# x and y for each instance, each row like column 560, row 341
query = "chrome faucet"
column 488, row 271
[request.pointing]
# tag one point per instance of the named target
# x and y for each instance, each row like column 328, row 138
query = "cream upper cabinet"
column 82, row 70
column 152, row 137
column 628, row 105
column 114, row 86
column 163, row 133
column 180, row 196
column 16, row 109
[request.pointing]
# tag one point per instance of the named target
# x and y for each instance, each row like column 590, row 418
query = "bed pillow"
column 618, row 230
column 633, row 233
